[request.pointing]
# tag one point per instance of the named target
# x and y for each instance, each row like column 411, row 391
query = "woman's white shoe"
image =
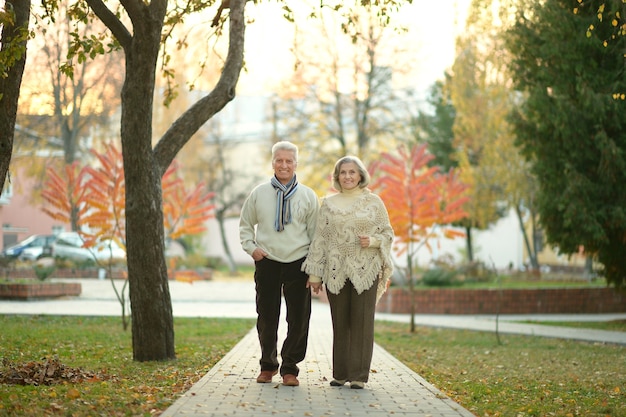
column 337, row 382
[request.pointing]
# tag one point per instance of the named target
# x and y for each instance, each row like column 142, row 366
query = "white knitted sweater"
column 335, row 253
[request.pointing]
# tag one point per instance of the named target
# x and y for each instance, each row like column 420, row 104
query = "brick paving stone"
column 230, row 387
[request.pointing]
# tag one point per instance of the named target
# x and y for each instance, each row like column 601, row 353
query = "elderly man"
column 276, row 227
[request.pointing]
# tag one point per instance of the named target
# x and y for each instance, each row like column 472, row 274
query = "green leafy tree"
column 437, row 130
column 571, row 128
column 479, row 102
column 480, row 91
column 435, row 127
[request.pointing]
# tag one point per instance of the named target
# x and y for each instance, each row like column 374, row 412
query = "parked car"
column 69, row 245
column 31, row 254
column 29, row 248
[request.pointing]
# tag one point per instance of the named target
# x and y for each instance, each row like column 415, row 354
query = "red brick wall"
column 509, row 301
column 61, row 273
column 39, row 290
column 118, row 273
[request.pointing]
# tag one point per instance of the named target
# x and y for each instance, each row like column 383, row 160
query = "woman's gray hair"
column 284, row 145
column 365, row 176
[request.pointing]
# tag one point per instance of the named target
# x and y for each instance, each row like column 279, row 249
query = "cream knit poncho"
column 335, row 253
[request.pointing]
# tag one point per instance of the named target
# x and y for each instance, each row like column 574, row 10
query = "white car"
column 31, row 254
column 69, row 245
column 28, row 249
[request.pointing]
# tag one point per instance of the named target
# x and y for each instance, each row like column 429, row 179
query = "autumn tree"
column 208, row 158
column 82, row 93
column 480, row 103
column 64, row 106
column 482, row 96
column 229, row 189
column 340, row 98
column 435, row 127
column 570, row 125
column 139, row 27
column 14, row 36
column 422, row 203
column 93, row 196
column 64, row 193
column 186, row 211
column 139, row 35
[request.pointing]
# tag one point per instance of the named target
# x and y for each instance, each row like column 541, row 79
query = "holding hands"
column 315, row 286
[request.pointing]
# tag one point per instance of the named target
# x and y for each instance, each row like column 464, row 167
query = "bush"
column 196, row 261
column 44, row 268
column 476, row 271
column 440, row 277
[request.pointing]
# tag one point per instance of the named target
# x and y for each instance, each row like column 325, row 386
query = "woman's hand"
column 365, row 241
column 315, row 286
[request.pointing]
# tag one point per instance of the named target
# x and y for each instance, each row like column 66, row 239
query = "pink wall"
column 20, row 217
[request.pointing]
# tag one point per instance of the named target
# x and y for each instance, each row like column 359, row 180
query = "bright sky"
column 433, row 27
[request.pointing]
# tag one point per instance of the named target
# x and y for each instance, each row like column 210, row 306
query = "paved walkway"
column 230, row 389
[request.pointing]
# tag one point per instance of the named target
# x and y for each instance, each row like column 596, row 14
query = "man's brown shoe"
column 266, row 376
column 290, row 380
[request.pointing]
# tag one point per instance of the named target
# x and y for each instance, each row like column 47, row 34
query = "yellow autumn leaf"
column 73, row 394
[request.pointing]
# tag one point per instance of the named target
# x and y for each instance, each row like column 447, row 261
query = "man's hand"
column 258, row 254
column 315, row 286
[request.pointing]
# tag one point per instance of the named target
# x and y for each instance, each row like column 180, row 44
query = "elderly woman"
column 350, row 255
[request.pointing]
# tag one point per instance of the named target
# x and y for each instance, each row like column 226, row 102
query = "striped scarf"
column 283, row 206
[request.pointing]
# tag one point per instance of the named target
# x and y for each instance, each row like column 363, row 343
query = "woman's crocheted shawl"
column 335, row 254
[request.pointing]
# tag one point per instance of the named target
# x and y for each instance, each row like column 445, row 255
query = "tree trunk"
column 232, row 267
column 10, row 85
column 532, row 254
column 588, row 274
column 410, row 277
column 151, row 306
column 468, row 244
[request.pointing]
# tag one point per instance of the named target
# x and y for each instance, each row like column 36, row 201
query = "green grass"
column 98, row 345
column 611, row 325
column 523, row 376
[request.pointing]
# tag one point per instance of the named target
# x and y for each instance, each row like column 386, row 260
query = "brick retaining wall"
column 118, row 273
column 61, row 273
column 34, row 291
column 506, row 301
